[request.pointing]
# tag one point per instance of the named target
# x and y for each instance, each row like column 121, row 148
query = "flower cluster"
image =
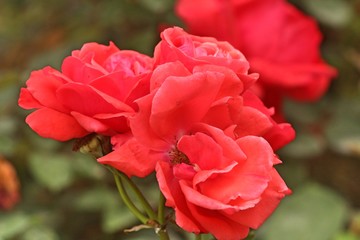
column 280, row 42
column 187, row 113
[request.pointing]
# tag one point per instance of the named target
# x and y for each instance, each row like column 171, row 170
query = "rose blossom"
column 94, row 92
column 191, row 50
column 206, row 136
column 280, row 42
column 212, row 164
column 219, row 185
column 177, row 45
column 230, row 112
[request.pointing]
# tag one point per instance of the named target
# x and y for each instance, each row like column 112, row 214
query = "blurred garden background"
column 67, row 195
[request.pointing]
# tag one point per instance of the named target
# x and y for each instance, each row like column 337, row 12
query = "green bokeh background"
column 67, row 195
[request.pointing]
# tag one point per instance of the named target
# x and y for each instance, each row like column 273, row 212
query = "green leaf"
column 13, row 224
column 87, row 166
column 40, row 233
column 99, row 198
column 346, row 236
column 343, row 130
column 312, row 212
column 304, row 113
column 335, row 13
column 52, row 171
column 117, row 218
column 156, row 6
column 304, row 146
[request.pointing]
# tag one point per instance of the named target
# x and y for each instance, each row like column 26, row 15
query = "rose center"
column 177, row 157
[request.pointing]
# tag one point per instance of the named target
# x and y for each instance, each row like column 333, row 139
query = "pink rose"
column 205, row 142
column 94, row 92
column 280, row 42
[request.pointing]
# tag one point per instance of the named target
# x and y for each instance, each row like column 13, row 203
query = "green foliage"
column 324, row 11
column 312, row 212
column 346, row 236
column 40, row 233
column 12, row 224
column 52, row 171
column 343, row 132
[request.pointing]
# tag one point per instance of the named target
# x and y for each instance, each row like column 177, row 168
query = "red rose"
column 94, row 92
column 177, row 45
column 219, row 185
column 180, row 99
column 191, row 50
column 204, row 139
column 280, row 42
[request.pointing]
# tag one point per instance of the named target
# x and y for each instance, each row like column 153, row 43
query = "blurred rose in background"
column 9, row 185
column 280, row 42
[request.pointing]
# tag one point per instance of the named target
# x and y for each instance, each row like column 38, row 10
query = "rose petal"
column 221, row 227
column 90, row 124
column 201, row 200
column 115, row 84
column 254, row 217
column 56, row 125
column 132, row 158
column 27, row 101
column 162, row 72
column 248, row 179
column 280, row 135
column 176, row 106
column 170, row 187
column 89, row 101
column 223, row 114
column 250, row 121
column 43, row 84
column 95, row 51
column 231, row 86
column 80, row 72
column 140, row 125
column 203, row 151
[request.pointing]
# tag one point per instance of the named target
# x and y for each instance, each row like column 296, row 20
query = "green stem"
column 127, row 199
column 147, row 207
column 161, row 209
column 251, row 235
column 163, row 235
column 120, row 178
column 198, row 236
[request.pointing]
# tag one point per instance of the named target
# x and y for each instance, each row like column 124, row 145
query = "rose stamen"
column 177, row 157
